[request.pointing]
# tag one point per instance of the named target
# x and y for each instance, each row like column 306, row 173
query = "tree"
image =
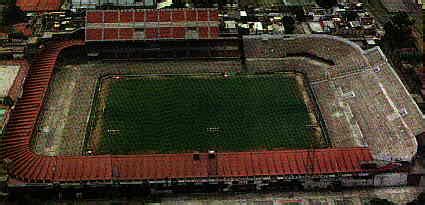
column 289, row 24
column 8, row 101
column 419, row 200
column 8, row 2
column 377, row 201
column 398, row 31
column 11, row 13
column 327, row 4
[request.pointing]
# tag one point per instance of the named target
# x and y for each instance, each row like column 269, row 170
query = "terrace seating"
column 340, row 55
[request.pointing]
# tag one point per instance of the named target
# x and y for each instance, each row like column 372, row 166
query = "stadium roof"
column 39, row 5
column 299, row 2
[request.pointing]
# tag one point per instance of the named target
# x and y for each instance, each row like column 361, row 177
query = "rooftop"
column 2, row 119
column 38, row 5
column 299, row 2
column 8, row 74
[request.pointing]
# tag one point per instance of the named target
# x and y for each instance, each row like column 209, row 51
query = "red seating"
column 94, row 34
column 158, row 24
column 164, row 16
column 203, row 32
column 179, row 32
column 110, row 17
column 178, row 16
column 151, row 33
column 126, row 33
column 214, row 15
column 126, row 17
column 110, row 33
column 214, row 32
column 139, row 16
column 191, row 15
column 94, row 17
column 151, row 16
column 203, row 15
column 166, row 33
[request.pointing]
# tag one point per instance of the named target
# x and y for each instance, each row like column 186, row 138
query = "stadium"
column 328, row 114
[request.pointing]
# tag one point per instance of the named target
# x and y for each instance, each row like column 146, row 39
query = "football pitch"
column 187, row 113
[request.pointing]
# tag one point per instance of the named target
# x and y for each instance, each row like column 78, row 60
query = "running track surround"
column 24, row 166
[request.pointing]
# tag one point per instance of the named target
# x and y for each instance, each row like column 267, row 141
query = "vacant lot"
column 169, row 114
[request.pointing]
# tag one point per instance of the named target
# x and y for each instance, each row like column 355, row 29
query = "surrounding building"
column 12, row 77
column 299, row 2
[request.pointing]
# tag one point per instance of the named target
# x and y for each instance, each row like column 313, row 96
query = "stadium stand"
column 149, row 24
column 26, row 166
column 338, row 56
column 349, row 85
column 388, row 77
column 335, row 76
column 323, row 46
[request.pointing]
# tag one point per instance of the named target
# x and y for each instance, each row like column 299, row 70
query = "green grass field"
column 172, row 114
